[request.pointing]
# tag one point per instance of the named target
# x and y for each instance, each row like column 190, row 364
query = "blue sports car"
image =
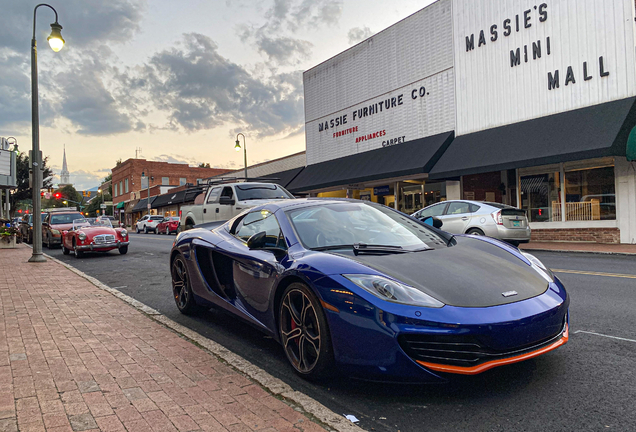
column 377, row 294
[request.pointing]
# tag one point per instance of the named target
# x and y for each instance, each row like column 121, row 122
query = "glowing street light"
column 56, row 43
column 237, row 147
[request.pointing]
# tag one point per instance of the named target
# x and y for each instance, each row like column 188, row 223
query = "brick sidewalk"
column 622, row 249
column 74, row 357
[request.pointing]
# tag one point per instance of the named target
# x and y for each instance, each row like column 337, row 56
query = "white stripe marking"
column 611, row 337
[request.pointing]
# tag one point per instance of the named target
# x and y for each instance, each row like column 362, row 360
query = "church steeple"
column 64, row 175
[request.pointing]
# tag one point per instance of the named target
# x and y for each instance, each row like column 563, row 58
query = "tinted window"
column 474, row 208
column 154, row 218
column 250, row 191
column 259, row 221
column 214, row 195
column 65, row 218
column 458, row 208
column 434, row 210
column 227, row 192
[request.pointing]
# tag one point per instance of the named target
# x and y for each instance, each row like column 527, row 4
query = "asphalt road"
column 589, row 384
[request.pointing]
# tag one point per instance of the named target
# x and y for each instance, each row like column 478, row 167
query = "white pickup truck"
column 224, row 201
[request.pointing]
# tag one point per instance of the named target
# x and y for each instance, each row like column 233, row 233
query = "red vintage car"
column 168, row 225
column 94, row 235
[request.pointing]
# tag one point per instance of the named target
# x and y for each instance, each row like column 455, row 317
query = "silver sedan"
column 500, row 221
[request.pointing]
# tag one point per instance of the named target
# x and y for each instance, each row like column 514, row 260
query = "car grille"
column 461, row 350
column 104, row 238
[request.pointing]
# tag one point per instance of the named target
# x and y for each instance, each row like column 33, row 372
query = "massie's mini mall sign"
column 517, row 60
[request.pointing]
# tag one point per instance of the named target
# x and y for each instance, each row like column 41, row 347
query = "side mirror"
column 257, row 241
column 226, row 200
column 433, row 221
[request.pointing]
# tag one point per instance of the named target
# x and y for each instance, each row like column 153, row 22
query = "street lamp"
column 15, row 145
column 56, row 42
column 148, row 186
column 237, row 147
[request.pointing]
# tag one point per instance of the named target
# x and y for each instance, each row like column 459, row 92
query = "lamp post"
column 56, row 42
column 148, row 187
column 99, row 191
column 237, row 147
column 15, row 145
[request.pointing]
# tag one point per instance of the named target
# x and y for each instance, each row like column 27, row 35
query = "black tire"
column 65, row 251
column 189, row 225
column 304, row 333
column 157, row 231
column 167, row 230
column 145, row 229
column 515, row 243
column 123, row 250
column 475, row 231
column 48, row 241
column 137, row 228
column 181, row 289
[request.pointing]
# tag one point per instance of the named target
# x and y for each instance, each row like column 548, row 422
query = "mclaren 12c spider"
column 363, row 289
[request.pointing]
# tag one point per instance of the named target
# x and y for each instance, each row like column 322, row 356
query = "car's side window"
column 474, row 208
column 434, row 210
column 227, row 192
column 259, row 221
column 455, row 208
column 213, row 197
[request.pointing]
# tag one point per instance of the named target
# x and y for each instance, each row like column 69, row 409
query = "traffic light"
column 42, row 194
column 20, row 211
column 57, row 195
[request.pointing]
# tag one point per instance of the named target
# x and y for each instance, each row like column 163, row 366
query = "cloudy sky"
column 177, row 79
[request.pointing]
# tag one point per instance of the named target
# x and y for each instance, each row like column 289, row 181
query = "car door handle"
column 464, row 218
column 217, row 209
column 205, row 210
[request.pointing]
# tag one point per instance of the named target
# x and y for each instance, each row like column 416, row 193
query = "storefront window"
column 541, row 197
column 590, row 194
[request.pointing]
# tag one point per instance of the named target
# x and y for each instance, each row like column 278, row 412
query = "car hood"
column 473, row 273
column 62, row 227
column 94, row 231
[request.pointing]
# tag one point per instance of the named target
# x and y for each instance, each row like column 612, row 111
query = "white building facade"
column 528, row 103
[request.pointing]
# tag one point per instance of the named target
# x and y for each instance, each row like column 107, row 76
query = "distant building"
column 65, row 176
column 128, row 185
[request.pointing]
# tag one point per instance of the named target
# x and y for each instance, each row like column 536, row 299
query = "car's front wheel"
column 138, row 230
column 78, row 253
column 181, row 289
column 65, row 251
column 304, row 332
column 167, row 230
column 123, row 250
column 146, row 229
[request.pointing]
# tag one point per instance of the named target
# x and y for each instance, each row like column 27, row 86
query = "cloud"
column 358, row 34
column 285, row 50
column 200, row 89
column 175, row 158
column 84, row 180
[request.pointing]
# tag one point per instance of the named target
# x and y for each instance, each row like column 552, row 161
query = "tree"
column 95, row 205
column 204, row 165
column 23, row 191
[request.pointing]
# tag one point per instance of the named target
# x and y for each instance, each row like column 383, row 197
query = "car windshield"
column 351, row 223
column 92, row 223
column 251, row 191
column 64, row 218
column 159, row 218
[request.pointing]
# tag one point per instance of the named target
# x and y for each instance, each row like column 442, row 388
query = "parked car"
column 224, row 201
column 495, row 220
column 94, row 235
column 363, row 289
column 148, row 223
column 168, row 225
column 26, row 227
column 54, row 223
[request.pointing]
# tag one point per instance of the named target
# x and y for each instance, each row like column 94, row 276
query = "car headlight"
column 123, row 233
column 54, row 231
column 81, row 236
column 539, row 266
column 393, row 291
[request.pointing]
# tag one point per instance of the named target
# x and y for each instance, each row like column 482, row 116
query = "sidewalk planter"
column 7, row 237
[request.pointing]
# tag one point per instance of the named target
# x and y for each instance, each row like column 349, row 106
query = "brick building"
column 128, row 185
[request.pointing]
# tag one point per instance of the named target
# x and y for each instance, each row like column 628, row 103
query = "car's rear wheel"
column 48, row 241
column 475, row 231
column 304, row 332
column 123, row 250
column 181, row 289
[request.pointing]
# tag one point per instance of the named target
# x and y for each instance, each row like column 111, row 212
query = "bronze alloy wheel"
column 181, row 290
column 303, row 330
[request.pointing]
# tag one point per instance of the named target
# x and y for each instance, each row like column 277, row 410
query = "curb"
column 274, row 385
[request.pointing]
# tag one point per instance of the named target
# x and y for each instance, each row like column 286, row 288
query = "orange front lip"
column 474, row 370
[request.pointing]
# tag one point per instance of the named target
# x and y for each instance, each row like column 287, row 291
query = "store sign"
column 381, row 190
column 519, row 60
